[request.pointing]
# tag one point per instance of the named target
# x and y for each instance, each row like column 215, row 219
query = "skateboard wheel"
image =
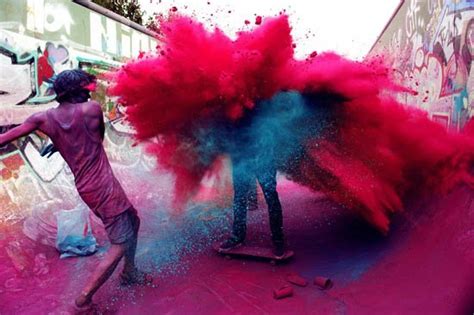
column 273, row 262
column 228, row 257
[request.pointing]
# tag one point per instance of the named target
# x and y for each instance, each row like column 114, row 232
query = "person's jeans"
column 244, row 186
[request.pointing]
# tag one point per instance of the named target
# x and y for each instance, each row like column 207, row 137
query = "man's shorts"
column 123, row 227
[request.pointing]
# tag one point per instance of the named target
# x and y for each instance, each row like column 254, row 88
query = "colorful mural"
column 431, row 44
column 38, row 40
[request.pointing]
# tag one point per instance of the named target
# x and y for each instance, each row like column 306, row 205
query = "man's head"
column 73, row 86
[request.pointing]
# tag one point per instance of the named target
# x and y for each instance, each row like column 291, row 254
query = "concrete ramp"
column 424, row 266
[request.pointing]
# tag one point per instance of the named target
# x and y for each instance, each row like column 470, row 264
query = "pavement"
column 424, row 265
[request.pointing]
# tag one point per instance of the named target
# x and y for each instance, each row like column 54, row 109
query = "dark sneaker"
column 231, row 243
column 279, row 249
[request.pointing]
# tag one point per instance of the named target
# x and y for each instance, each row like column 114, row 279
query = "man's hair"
column 69, row 83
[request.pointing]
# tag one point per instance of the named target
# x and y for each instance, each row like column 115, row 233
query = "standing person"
column 252, row 162
column 76, row 128
column 264, row 140
column 244, row 188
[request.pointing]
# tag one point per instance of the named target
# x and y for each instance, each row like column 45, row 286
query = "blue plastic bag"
column 74, row 236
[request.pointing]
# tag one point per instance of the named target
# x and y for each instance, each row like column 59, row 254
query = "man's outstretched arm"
column 31, row 124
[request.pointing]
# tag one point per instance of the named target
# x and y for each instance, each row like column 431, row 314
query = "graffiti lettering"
column 29, row 61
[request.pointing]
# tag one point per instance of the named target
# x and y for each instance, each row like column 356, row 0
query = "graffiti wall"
column 38, row 40
column 431, row 45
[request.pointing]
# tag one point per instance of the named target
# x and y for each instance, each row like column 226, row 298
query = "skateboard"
column 254, row 252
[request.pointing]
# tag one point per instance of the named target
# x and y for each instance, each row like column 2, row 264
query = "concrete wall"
column 39, row 39
column 431, row 44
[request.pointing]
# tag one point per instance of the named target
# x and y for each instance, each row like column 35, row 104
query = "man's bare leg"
column 129, row 256
column 130, row 274
column 103, row 272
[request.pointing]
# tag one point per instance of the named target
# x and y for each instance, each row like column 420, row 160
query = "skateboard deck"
column 254, row 252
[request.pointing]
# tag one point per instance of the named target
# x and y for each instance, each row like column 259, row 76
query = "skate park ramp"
column 424, row 264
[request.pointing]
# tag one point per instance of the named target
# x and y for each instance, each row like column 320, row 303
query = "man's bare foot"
column 135, row 277
column 83, row 305
column 83, row 300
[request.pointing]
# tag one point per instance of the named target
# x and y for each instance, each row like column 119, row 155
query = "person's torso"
column 81, row 147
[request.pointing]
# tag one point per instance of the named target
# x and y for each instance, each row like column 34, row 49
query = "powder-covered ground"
column 424, row 265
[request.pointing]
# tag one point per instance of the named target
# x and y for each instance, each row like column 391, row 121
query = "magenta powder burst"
column 372, row 154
